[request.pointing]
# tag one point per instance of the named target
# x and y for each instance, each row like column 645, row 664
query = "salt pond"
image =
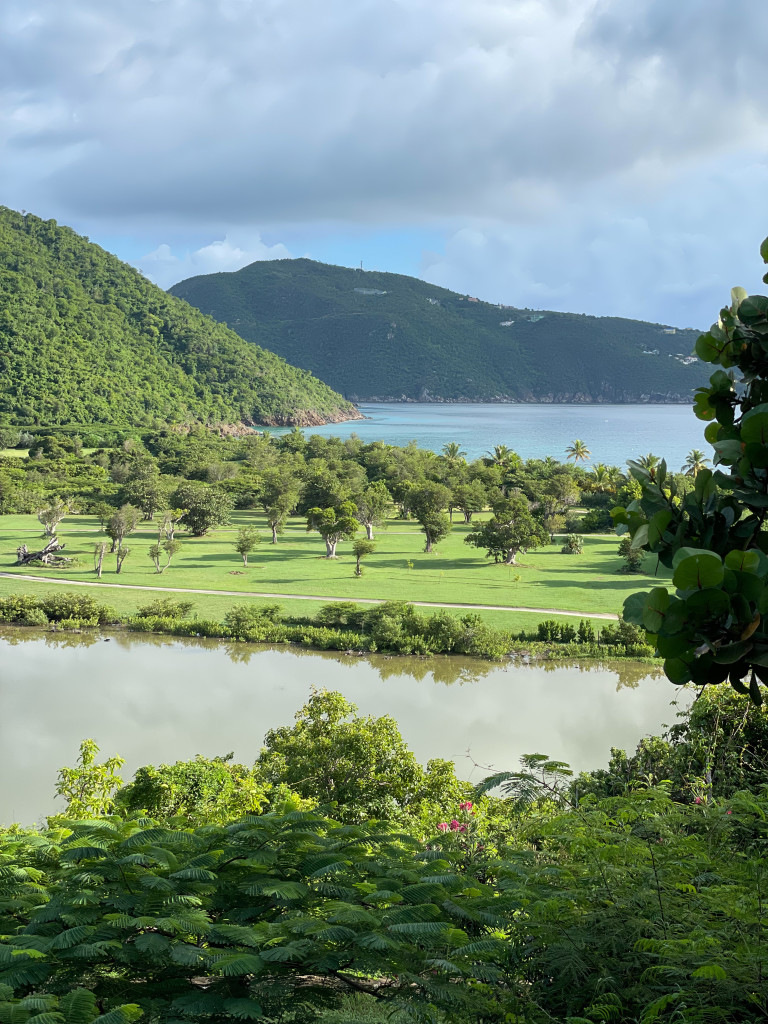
column 155, row 699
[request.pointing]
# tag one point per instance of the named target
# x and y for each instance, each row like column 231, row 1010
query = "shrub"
column 76, row 606
column 245, row 618
column 34, row 617
column 165, row 607
column 17, row 607
column 341, row 614
column 598, row 520
column 633, row 557
column 78, row 623
column 574, row 545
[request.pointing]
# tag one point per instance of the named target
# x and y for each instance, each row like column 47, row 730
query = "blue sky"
column 585, row 155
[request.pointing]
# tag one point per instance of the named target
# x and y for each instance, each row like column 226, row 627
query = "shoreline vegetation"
column 394, row 627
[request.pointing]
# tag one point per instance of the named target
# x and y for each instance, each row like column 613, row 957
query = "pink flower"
column 465, row 805
column 455, row 825
column 462, row 828
column 698, row 800
column 729, row 812
column 443, row 826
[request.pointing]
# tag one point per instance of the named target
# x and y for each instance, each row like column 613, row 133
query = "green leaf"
column 697, row 570
column 743, row 561
column 658, row 524
column 234, row 965
column 121, row 1015
column 710, row 348
column 754, row 425
column 677, row 671
column 634, row 607
column 731, row 653
column 243, row 1009
column 656, row 605
column 640, row 537
column 714, row 972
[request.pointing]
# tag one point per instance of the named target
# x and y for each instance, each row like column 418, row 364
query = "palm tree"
column 578, row 451
column 649, row 462
column 453, row 452
column 504, row 457
column 599, row 479
column 695, row 460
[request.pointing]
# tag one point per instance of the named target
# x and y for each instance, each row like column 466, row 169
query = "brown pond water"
column 155, row 699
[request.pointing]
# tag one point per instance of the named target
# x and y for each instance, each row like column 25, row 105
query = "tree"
column 360, row 766
column 713, row 626
column 426, row 504
column 170, row 547
column 453, row 452
column 120, row 555
column 89, row 788
column 99, row 550
column 373, row 506
column 248, row 538
column 279, row 494
column 206, row 506
column 333, row 525
column 122, row 523
column 574, row 545
column 649, row 462
column 202, row 792
column 695, row 460
column 470, row 498
column 512, row 529
column 144, row 487
column 633, row 557
column 52, row 514
column 361, row 548
column 169, row 520
column 578, row 451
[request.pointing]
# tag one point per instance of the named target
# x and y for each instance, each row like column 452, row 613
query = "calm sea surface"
column 613, row 433
column 154, row 700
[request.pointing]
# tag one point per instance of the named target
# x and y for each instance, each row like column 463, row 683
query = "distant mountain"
column 386, row 337
column 86, row 339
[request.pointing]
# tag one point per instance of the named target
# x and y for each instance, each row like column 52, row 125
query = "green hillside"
column 85, row 339
column 383, row 336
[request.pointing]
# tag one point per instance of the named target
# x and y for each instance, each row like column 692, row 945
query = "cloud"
column 187, row 120
column 236, row 110
column 165, row 268
column 669, row 258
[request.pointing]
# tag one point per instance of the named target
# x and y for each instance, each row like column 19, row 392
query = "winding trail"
column 304, row 597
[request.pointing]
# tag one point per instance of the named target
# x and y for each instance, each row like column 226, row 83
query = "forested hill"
column 85, row 338
column 384, row 336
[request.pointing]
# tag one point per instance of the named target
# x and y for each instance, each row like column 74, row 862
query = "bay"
column 155, row 700
column 613, row 433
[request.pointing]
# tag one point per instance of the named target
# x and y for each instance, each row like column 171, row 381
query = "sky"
column 594, row 156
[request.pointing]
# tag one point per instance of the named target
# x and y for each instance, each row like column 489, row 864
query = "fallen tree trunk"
column 47, row 556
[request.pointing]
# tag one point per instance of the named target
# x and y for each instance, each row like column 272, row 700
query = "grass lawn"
column 455, row 574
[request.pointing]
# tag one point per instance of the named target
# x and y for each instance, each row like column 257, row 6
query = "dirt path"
column 303, row 597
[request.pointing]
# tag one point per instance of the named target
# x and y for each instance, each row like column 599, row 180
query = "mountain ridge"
column 85, row 338
column 377, row 336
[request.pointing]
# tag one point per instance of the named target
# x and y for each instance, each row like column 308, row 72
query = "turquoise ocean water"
column 613, row 433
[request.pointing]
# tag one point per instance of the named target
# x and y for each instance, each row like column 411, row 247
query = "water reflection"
column 153, row 699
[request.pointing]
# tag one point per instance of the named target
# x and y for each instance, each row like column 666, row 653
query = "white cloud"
column 165, row 268
column 566, row 125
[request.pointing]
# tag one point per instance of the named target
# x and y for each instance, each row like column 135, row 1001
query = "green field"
column 456, row 574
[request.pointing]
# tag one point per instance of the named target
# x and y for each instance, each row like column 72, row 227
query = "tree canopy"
column 84, row 338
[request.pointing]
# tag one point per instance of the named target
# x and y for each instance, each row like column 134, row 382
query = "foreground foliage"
column 714, row 626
